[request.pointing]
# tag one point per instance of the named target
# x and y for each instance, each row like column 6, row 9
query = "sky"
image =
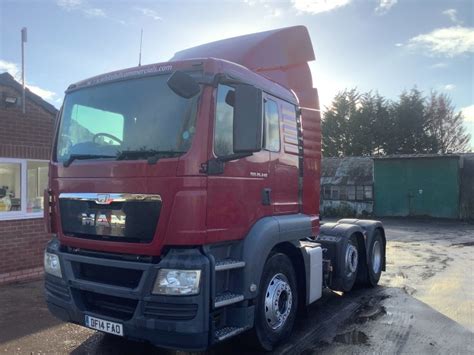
column 380, row 45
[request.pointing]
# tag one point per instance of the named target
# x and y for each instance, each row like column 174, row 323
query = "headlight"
column 51, row 264
column 177, row 282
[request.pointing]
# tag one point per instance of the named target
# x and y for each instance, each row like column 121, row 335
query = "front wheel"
column 277, row 302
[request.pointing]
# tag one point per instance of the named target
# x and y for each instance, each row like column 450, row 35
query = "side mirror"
column 248, row 119
column 183, row 85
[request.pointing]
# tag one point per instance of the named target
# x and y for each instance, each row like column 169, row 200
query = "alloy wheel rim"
column 352, row 258
column 278, row 301
column 376, row 257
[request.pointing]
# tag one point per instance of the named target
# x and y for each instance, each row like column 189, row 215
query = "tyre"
column 349, row 268
column 371, row 268
column 376, row 255
column 277, row 302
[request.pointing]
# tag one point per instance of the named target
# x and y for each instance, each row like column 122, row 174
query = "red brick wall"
column 23, row 136
column 22, row 244
column 28, row 135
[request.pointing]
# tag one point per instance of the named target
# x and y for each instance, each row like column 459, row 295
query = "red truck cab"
column 184, row 198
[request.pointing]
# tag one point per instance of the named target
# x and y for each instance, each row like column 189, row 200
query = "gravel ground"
column 424, row 304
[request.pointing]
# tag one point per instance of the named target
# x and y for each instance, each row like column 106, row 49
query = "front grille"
column 112, row 306
column 108, row 255
column 125, row 221
column 107, row 274
column 170, row 311
column 58, row 289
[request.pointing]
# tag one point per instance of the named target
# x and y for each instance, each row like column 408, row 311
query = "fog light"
column 177, row 282
column 52, row 265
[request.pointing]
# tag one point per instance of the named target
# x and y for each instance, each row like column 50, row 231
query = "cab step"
column 228, row 332
column 229, row 264
column 227, row 298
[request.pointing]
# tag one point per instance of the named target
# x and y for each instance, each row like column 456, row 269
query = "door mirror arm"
column 234, row 156
column 215, row 166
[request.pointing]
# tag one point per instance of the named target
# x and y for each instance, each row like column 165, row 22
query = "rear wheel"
column 371, row 269
column 277, row 302
column 376, row 257
column 349, row 267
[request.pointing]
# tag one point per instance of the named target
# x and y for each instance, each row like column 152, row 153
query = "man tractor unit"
column 183, row 198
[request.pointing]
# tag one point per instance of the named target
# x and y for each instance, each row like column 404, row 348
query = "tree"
column 367, row 130
column 383, row 125
column 367, row 124
column 336, row 139
column 445, row 126
column 409, row 126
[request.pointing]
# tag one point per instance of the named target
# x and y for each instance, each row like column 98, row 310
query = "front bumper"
column 120, row 291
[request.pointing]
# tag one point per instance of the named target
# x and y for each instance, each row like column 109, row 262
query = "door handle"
column 266, row 196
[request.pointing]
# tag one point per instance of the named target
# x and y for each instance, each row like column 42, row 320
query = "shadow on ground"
column 23, row 311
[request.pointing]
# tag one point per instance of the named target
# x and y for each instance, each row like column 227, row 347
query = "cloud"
column 468, row 113
column 384, row 6
column 449, row 87
column 318, row 6
column 43, row 93
column 274, row 13
column 398, row 44
column 448, row 41
column 270, row 7
column 13, row 70
column 453, row 16
column 94, row 12
column 149, row 13
column 439, row 65
column 69, row 5
column 82, row 6
column 10, row 68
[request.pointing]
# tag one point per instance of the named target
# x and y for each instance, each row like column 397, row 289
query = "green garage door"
column 417, row 187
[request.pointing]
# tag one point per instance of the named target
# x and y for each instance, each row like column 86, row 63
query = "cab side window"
column 272, row 127
column 223, row 130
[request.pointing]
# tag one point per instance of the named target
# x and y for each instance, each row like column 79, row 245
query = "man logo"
column 88, row 219
column 103, row 199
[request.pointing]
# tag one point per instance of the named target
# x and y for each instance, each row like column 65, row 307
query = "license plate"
column 104, row 325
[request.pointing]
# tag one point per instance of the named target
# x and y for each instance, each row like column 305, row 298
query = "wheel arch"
column 293, row 252
column 368, row 229
column 280, row 233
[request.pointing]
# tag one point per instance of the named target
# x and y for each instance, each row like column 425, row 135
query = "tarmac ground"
column 424, row 304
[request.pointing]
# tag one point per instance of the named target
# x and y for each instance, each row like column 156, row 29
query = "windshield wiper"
column 73, row 157
column 152, row 155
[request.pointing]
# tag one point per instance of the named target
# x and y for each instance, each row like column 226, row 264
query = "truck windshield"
column 130, row 119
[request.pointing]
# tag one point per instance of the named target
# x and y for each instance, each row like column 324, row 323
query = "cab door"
column 281, row 140
column 236, row 198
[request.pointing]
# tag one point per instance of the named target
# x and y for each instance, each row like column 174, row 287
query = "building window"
column 327, row 192
column 348, row 192
column 343, row 193
column 37, row 183
column 368, row 194
column 351, row 192
column 22, row 185
column 10, row 187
